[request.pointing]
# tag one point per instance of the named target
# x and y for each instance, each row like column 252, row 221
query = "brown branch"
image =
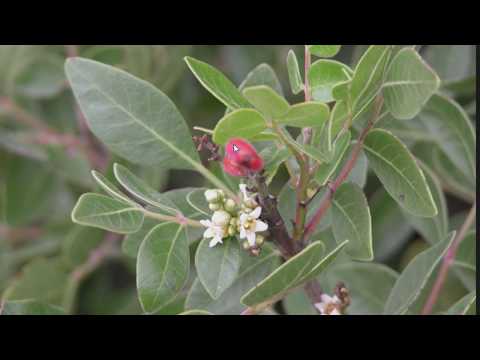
column 327, row 201
column 447, row 262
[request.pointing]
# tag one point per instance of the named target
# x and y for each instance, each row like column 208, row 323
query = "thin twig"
column 447, row 262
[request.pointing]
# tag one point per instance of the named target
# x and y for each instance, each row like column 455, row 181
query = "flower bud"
column 221, row 218
column 232, row 230
column 213, row 196
column 245, row 245
column 214, row 207
column 250, row 204
column 259, row 240
column 229, row 205
column 241, row 158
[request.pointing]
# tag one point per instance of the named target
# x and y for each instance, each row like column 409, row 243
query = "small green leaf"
column 325, row 51
column 30, row 307
column 244, row 123
column 217, row 84
column 396, row 168
column 218, row 267
column 133, row 118
column 410, row 82
column 163, row 264
column 131, row 243
column 368, row 76
column 325, row 171
column 141, row 190
column 324, row 75
column 106, row 213
column 433, row 229
column 110, row 188
column 414, row 278
column 294, row 75
column 452, row 63
column 368, row 285
column 267, row 101
column 453, row 133
column 465, row 306
column 252, row 271
column 299, row 269
column 341, row 91
column 351, row 221
column 340, row 114
column 309, row 114
column 263, row 74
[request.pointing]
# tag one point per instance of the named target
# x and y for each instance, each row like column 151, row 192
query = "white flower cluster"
column 229, row 220
column 329, row 305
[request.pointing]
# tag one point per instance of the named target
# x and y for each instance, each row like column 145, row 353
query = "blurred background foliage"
column 46, row 154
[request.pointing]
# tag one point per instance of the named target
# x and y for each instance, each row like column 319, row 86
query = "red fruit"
column 241, row 158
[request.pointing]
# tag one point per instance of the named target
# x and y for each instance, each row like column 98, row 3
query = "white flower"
column 243, row 189
column 249, row 225
column 329, row 305
column 221, row 218
column 217, row 233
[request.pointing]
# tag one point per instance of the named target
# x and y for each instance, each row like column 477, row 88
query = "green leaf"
column 79, row 243
column 452, row 63
column 368, row 76
column 42, row 279
column 106, row 213
column 453, row 133
column 414, row 278
column 298, row 303
column 324, row 75
column 390, row 230
column 27, row 198
column 341, row 91
column 309, row 114
column 252, row 271
column 245, row 123
column 141, row 190
column 296, row 82
column 325, row 51
column 263, row 74
column 195, row 312
column 304, row 266
column 465, row 263
column 409, row 84
column 196, row 199
column 433, row 229
column 358, row 175
column 30, row 307
column 351, row 221
column 110, row 188
column 163, row 265
column 217, row 84
column 465, row 306
column 218, row 267
column 325, row 171
column 267, row 101
column 368, row 284
column 396, row 168
column 134, row 119
column 273, row 159
column 131, row 243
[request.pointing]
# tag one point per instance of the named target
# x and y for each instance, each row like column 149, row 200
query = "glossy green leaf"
column 106, row 213
column 134, row 119
column 351, row 221
column 141, row 190
column 368, row 284
column 163, row 265
column 414, row 278
column 396, row 168
column 453, row 133
column 309, row 114
column 325, row 171
column 304, row 266
column 433, row 229
column 325, row 51
column 368, row 76
column 218, row 267
column 217, row 84
column 409, row 84
column 324, row 75
column 465, row 306
column 245, row 123
column 294, row 76
column 30, row 307
column 252, row 271
column 267, row 101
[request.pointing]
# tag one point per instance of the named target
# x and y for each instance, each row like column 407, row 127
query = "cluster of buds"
column 229, row 220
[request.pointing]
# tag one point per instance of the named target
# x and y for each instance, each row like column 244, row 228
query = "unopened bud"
column 213, row 196
column 250, row 203
column 214, row 207
column 246, row 245
column 259, row 240
column 229, row 205
column 221, row 218
column 232, row 230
